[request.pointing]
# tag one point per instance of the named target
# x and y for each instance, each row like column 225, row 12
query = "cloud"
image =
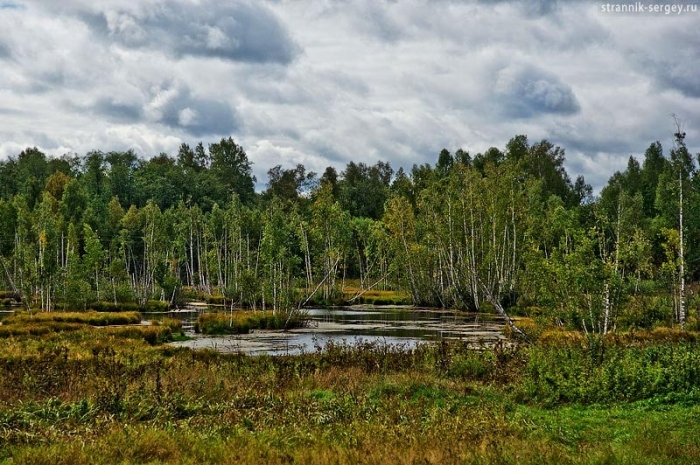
column 242, row 30
column 325, row 83
column 377, row 21
column 525, row 91
column 535, row 7
column 176, row 107
column 11, row 6
column 118, row 111
column 673, row 60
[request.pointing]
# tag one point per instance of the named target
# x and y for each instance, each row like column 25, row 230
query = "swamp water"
column 351, row 325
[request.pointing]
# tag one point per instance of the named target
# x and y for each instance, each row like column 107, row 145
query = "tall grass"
column 151, row 306
column 88, row 318
column 242, row 321
column 119, row 325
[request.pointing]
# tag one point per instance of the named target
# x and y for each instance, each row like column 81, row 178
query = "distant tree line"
column 504, row 229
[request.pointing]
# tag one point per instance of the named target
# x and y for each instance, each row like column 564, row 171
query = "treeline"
column 501, row 229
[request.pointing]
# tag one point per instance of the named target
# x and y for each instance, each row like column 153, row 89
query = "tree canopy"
column 503, row 228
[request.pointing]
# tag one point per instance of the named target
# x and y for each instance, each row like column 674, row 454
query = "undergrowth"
column 90, row 397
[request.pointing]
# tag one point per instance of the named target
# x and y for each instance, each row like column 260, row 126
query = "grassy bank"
column 120, row 325
column 87, row 318
column 82, row 397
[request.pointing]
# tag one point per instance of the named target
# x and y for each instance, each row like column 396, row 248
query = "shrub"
column 608, row 369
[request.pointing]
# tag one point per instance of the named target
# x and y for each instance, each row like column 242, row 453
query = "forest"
column 505, row 230
column 603, row 365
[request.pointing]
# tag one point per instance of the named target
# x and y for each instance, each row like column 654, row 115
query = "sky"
column 326, row 82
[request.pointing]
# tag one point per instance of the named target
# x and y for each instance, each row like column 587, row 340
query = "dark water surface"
column 405, row 326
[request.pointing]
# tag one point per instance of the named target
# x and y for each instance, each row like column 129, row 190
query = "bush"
column 615, row 368
column 646, row 311
column 475, row 365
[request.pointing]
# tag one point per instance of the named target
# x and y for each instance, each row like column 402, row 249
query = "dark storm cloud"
column 524, row 92
column 237, row 31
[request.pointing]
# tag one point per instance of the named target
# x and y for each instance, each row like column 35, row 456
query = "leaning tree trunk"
column 501, row 311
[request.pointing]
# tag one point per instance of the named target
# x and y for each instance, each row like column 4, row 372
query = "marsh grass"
column 86, row 318
column 242, row 321
column 123, row 325
column 87, row 397
column 10, row 295
column 174, row 324
column 150, row 306
column 352, row 293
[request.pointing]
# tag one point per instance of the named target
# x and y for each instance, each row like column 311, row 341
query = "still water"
column 405, row 326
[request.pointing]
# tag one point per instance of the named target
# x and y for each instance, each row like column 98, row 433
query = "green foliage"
column 484, row 232
column 594, row 370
